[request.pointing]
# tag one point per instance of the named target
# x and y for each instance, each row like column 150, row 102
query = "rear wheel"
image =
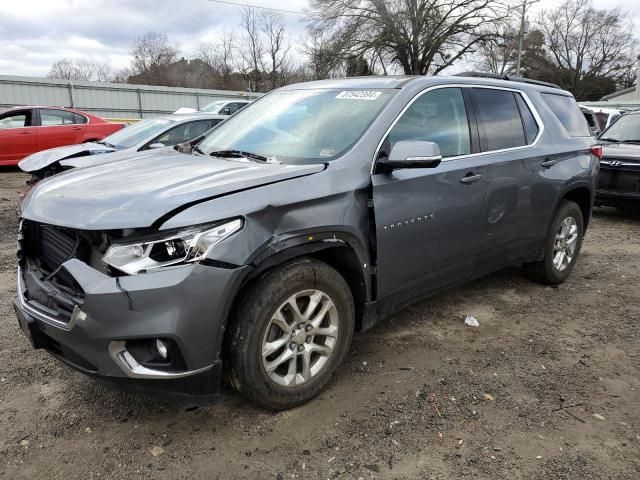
column 562, row 247
column 291, row 332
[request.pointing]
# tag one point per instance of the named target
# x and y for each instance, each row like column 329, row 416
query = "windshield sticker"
column 358, row 95
column 327, row 152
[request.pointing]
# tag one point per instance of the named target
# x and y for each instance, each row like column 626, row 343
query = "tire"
column 546, row 271
column 257, row 330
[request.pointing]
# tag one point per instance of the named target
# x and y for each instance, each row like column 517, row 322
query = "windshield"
column 625, row 129
column 213, row 106
column 139, row 132
column 299, row 126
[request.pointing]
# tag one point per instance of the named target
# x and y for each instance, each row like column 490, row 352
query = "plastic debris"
column 471, row 321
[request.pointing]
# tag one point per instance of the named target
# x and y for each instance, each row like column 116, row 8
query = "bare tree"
column 251, row 49
column 422, row 36
column 152, row 54
column 324, row 56
column 276, row 48
column 84, row 70
column 498, row 52
column 587, row 44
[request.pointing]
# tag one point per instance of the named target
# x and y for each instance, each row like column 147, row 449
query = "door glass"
column 437, row 116
column 184, row 133
column 15, row 120
column 499, row 119
column 56, row 117
column 569, row 114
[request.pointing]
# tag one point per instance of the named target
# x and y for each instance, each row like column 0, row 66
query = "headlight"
column 187, row 246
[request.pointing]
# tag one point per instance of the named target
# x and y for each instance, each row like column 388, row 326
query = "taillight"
column 596, row 150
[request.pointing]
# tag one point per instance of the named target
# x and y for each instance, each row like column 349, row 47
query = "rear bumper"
column 187, row 305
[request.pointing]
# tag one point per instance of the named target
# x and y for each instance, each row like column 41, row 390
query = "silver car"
column 135, row 140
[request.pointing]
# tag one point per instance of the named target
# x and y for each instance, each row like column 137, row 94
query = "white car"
column 219, row 107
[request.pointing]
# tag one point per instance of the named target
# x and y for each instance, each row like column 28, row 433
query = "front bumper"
column 187, row 305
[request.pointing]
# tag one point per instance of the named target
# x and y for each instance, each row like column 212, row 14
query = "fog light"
column 162, row 349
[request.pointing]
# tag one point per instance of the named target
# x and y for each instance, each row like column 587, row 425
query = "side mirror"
column 226, row 111
column 411, row 154
column 157, row 145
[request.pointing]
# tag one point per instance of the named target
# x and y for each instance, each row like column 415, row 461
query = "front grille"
column 42, row 250
column 619, row 179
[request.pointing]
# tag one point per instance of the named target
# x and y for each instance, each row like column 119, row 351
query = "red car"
column 26, row 130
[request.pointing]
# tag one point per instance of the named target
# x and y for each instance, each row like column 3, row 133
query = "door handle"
column 470, row 178
column 26, row 132
column 548, row 163
column 76, row 128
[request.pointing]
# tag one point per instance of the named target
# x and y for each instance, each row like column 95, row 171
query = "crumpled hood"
column 621, row 150
column 136, row 194
column 40, row 160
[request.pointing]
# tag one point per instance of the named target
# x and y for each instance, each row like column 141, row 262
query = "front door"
column 18, row 137
column 429, row 221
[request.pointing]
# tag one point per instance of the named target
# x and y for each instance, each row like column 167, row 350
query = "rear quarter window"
column 567, row 111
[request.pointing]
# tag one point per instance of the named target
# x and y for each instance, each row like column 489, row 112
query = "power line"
column 239, row 4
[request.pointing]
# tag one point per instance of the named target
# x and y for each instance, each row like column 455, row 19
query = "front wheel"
column 291, row 332
column 562, row 247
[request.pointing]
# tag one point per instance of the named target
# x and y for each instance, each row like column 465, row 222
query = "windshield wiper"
column 196, row 149
column 631, row 141
column 239, row 154
column 107, row 144
column 606, row 139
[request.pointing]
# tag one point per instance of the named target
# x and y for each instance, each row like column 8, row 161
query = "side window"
column 499, row 119
column 77, row 118
column 184, row 133
column 21, row 118
column 569, row 114
column 55, row 117
column 531, row 128
column 437, row 116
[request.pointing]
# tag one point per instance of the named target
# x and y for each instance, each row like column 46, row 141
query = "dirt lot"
column 547, row 387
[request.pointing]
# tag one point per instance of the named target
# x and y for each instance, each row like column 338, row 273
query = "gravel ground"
column 547, row 387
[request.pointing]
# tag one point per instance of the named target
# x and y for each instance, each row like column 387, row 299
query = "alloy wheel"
column 565, row 243
column 300, row 338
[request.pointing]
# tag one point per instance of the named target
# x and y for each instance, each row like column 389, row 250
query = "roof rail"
column 510, row 78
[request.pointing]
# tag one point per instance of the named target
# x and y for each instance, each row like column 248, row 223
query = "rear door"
column 516, row 200
column 58, row 127
column 429, row 221
column 18, row 137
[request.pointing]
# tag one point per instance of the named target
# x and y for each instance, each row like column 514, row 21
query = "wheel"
column 562, row 247
column 292, row 330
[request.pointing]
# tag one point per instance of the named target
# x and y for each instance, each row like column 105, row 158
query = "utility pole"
column 524, row 28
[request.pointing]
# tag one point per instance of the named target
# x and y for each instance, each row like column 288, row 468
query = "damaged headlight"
column 187, row 246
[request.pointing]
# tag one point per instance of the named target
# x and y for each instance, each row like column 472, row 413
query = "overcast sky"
column 36, row 33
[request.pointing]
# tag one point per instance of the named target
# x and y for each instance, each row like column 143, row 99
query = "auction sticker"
column 358, row 95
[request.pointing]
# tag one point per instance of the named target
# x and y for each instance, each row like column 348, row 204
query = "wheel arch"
column 583, row 196
column 337, row 250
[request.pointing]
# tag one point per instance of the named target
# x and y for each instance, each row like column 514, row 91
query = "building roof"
column 618, row 93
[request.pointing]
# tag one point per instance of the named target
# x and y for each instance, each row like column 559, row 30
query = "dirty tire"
column 245, row 370
column 545, row 271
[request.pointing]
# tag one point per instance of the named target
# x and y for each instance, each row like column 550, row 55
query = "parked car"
column 144, row 136
column 619, row 177
column 219, row 107
column 592, row 121
column 26, row 130
column 606, row 116
column 317, row 211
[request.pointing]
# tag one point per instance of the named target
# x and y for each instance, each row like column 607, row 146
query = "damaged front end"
column 145, row 331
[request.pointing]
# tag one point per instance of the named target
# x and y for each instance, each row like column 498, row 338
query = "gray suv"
column 313, row 213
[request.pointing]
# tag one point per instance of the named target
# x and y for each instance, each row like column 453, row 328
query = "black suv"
column 619, row 178
column 312, row 213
